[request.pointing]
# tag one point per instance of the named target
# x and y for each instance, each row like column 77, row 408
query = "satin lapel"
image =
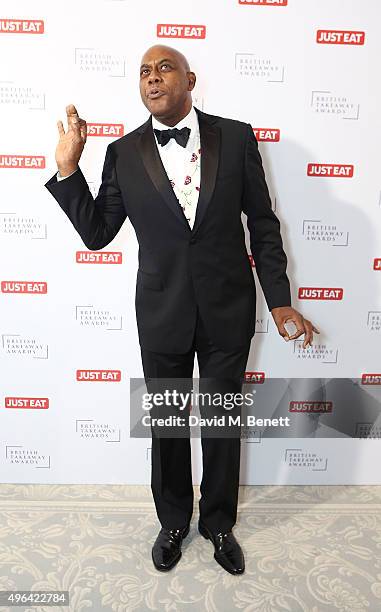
column 146, row 145
column 210, row 137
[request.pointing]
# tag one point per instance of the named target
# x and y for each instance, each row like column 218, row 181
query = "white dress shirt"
column 182, row 164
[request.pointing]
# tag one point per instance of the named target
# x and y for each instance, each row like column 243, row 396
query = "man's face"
column 165, row 83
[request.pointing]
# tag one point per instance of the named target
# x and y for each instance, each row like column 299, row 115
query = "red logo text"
column 24, row 287
column 105, row 129
column 320, row 293
column 21, row 26
column 371, row 379
column 36, row 162
column 310, row 407
column 254, row 377
column 99, row 375
column 267, row 134
column 330, row 170
column 35, row 403
column 180, row 31
column 340, row 37
column 104, row 257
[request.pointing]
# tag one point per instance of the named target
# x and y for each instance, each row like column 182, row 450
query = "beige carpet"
column 307, row 548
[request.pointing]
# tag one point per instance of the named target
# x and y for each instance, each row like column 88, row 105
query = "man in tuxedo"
column 183, row 178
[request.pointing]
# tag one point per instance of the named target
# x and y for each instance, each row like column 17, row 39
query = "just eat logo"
column 255, row 378
column 310, row 406
column 371, row 379
column 99, row 375
column 331, row 170
column 105, row 129
column 173, row 30
column 340, row 37
column 35, row 287
column 377, row 263
column 34, row 162
column 267, row 134
column 104, row 257
column 320, row 293
column 35, row 403
column 21, row 26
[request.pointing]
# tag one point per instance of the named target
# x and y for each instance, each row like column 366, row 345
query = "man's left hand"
column 303, row 326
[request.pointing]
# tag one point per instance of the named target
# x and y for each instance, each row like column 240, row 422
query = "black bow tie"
column 181, row 136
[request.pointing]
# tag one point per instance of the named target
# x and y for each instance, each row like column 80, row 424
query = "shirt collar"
column 190, row 120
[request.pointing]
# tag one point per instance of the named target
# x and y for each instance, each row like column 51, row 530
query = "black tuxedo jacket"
column 180, row 268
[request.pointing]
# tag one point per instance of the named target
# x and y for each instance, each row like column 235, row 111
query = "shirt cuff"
column 62, row 178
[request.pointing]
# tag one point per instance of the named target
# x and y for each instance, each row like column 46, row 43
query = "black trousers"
column 171, row 472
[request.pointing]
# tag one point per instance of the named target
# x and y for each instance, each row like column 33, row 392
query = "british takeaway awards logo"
column 22, row 96
column 374, row 320
column 265, row 69
column 297, row 458
column 334, row 105
column 88, row 429
column 18, row 226
column 318, row 232
column 98, row 62
column 16, row 345
column 17, row 454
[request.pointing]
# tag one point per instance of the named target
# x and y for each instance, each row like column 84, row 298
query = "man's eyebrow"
column 159, row 62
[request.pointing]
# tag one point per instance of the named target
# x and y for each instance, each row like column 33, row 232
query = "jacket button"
column 193, row 240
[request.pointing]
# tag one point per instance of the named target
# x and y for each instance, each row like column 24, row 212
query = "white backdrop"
column 259, row 62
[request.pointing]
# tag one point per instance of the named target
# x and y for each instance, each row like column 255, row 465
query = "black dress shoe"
column 228, row 552
column 166, row 551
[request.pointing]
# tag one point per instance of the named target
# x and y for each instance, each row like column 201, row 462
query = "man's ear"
column 191, row 80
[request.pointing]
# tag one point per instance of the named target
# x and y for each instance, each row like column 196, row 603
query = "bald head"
column 166, row 82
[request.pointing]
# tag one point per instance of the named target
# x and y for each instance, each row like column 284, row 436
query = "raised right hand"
column 71, row 143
